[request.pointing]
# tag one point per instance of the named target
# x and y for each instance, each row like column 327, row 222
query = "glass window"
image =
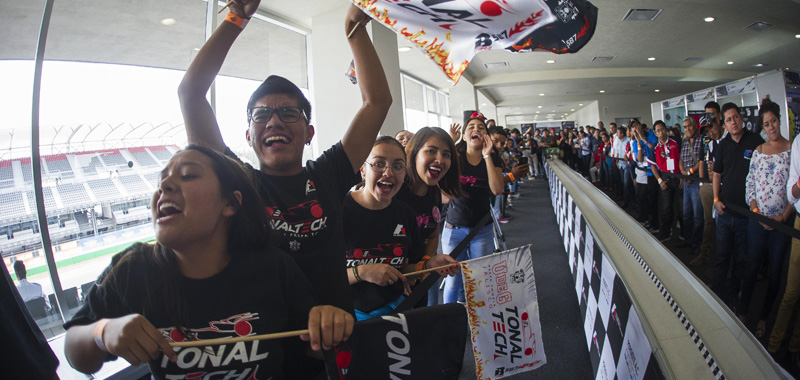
column 430, row 95
column 109, row 121
column 413, row 94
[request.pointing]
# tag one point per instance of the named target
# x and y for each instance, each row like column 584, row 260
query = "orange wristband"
column 716, row 199
column 236, row 20
column 97, row 334
column 755, row 209
column 511, row 176
column 421, row 263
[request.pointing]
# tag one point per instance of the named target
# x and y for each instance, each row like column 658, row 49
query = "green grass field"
column 84, row 257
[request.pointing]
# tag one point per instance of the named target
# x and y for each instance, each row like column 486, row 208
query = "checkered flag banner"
column 451, row 32
column 618, row 347
column 503, row 312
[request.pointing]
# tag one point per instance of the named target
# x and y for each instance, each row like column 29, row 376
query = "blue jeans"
column 481, row 245
column 731, row 249
column 763, row 244
column 628, row 191
column 692, row 214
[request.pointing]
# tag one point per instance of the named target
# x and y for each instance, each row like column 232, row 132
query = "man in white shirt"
column 27, row 290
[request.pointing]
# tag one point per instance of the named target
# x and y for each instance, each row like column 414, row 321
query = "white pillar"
column 336, row 100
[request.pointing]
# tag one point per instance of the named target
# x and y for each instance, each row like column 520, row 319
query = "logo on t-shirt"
column 240, row 359
column 748, row 154
column 437, row 215
column 310, row 186
column 399, row 230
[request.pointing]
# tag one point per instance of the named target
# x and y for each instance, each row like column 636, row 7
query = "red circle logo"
column 316, row 211
column 525, row 316
column 491, row 9
column 398, row 251
column 343, row 359
column 528, row 351
column 176, row 336
column 358, row 253
column 242, row 328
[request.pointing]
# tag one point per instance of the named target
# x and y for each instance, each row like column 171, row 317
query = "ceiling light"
column 550, row 61
column 657, row 90
column 730, row 62
column 572, row 109
column 602, row 91
column 797, row 36
column 709, row 19
column 580, row 105
column 759, row 65
column 541, row 94
column 651, row 59
column 537, row 111
column 483, row 104
column 496, row 65
column 404, row 49
column 541, row 106
column 168, row 21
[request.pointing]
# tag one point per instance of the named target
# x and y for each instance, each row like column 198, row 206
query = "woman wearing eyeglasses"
column 382, row 238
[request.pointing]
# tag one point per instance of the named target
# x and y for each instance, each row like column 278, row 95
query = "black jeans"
column 669, row 198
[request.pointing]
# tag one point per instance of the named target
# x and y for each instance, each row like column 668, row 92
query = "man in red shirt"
column 667, row 154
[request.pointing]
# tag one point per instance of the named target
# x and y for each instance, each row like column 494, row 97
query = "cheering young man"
column 303, row 203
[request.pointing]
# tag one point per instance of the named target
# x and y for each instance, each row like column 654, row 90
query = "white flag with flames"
column 503, row 312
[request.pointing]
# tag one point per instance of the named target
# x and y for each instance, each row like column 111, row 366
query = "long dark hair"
column 450, row 184
column 248, row 234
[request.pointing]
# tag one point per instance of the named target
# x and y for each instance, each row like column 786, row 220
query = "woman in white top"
column 766, row 194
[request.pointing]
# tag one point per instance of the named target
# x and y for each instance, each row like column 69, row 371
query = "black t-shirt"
column 732, row 160
column 257, row 293
column 467, row 212
column 427, row 208
column 707, row 153
column 387, row 236
column 305, row 216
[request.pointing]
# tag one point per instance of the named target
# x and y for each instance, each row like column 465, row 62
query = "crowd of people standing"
column 697, row 190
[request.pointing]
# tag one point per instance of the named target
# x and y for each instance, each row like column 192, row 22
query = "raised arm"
column 375, row 95
column 198, row 117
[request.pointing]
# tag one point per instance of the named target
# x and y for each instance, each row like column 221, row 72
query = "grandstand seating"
column 92, row 167
column 11, row 205
column 162, row 154
column 61, row 165
column 104, row 189
column 113, row 160
column 49, row 201
column 6, row 176
column 134, row 184
column 132, row 214
column 144, row 159
column 73, row 194
column 153, row 178
column 27, row 172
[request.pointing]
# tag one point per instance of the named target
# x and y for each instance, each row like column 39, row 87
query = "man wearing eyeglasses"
column 303, row 202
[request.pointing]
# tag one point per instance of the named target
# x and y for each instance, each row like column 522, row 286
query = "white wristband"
column 97, row 334
column 486, row 156
column 660, row 180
